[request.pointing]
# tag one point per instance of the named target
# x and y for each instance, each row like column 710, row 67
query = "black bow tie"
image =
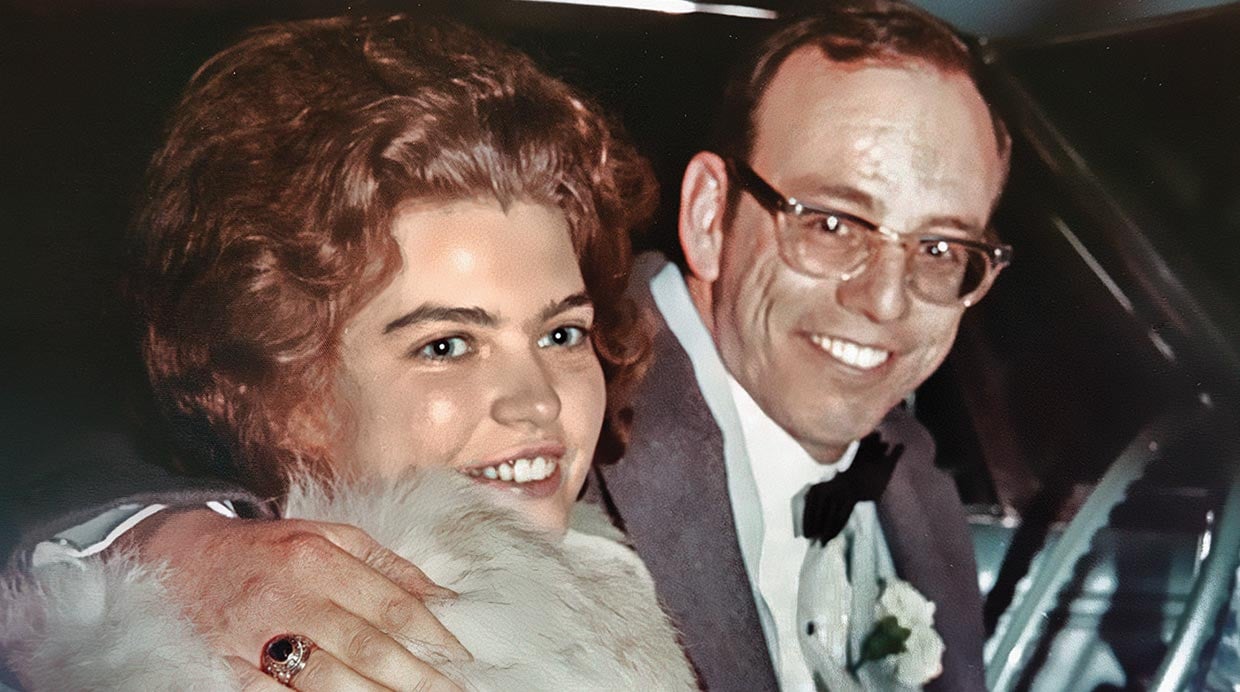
column 829, row 504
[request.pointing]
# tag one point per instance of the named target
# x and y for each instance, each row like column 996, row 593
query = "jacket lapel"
column 927, row 534
column 671, row 496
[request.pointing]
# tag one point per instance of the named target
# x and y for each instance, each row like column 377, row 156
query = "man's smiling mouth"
column 851, row 353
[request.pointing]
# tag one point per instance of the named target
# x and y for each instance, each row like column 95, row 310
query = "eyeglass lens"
column 940, row 270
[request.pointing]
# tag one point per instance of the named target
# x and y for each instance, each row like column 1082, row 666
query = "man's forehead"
column 881, row 125
column 884, row 150
column 889, row 84
column 809, row 78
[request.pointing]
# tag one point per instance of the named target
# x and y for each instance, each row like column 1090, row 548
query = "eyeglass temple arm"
column 766, row 195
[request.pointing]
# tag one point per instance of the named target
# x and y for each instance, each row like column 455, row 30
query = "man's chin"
column 826, row 440
column 826, row 449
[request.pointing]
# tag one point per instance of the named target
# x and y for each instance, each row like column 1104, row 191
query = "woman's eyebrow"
column 430, row 312
column 555, row 307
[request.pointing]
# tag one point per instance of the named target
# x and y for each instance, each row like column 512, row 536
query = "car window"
column 1156, row 112
column 1111, row 337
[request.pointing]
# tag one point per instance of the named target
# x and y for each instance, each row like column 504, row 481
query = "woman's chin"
column 542, row 500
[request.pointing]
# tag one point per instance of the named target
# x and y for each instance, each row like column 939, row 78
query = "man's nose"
column 878, row 288
column 527, row 394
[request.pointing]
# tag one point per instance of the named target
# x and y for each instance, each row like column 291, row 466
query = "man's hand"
column 243, row 582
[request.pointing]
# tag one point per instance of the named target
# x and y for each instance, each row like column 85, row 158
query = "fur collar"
column 535, row 612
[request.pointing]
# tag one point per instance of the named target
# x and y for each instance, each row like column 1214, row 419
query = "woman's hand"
column 243, row 582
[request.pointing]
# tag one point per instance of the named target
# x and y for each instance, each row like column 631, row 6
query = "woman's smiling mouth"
column 533, row 472
column 518, row 471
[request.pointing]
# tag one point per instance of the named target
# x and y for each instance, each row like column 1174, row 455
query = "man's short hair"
column 268, row 213
column 848, row 31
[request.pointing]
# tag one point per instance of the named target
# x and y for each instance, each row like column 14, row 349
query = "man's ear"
column 703, row 195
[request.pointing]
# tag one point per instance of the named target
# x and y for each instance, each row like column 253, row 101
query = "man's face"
column 477, row 357
column 908, row 147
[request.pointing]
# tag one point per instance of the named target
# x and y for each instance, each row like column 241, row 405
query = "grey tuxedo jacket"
column 670, row 494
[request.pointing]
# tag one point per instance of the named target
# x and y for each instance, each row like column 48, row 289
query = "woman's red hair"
column 268, row 214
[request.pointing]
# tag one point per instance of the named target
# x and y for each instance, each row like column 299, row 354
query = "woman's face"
column 477, row 357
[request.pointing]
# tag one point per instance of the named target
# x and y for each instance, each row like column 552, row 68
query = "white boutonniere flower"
column 904, row 630
column 901, row 649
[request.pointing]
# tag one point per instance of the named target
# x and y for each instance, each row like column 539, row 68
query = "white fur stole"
column 536, row 613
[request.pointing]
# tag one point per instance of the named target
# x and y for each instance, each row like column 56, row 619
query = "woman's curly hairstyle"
column 267, row 216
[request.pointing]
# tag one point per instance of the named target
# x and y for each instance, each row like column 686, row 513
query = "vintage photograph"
column 620, row 345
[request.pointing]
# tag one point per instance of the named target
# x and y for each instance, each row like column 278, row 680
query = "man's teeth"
column 849, row 353
column 516, row 470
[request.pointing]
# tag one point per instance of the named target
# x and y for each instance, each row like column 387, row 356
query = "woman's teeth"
column 516, row 470
column 849, row 353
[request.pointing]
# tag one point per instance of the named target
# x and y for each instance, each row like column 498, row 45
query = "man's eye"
column 831, row 224
column 445, row 349
column 942, row 252
column 563, row 337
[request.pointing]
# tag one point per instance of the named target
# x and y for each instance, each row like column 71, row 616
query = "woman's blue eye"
column 445, row 349
column 563, row 336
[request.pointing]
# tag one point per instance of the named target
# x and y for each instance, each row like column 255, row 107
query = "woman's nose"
column 527, row 395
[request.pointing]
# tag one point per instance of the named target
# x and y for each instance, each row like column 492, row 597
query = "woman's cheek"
column 588, row 402
column 437, row 425
column 417, row 426
column 440, row 410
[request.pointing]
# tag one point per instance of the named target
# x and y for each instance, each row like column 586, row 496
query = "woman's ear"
column 703, row 196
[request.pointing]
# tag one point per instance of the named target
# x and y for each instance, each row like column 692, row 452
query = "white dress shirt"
column 767, row 471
